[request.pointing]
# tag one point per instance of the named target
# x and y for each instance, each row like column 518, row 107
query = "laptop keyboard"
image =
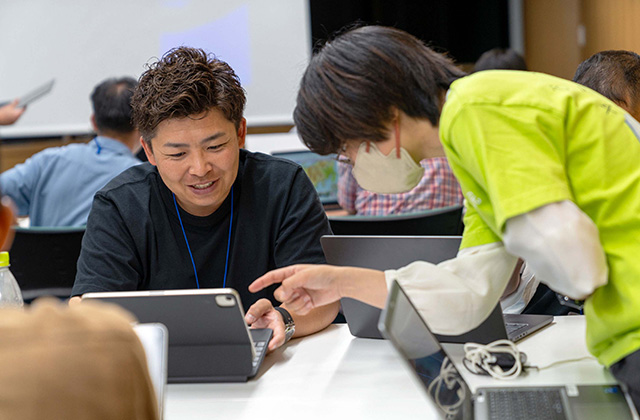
column 260, row 347
column 527, row 404
column 514, row 326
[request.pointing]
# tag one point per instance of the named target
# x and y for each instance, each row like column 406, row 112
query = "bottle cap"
column 4, row 259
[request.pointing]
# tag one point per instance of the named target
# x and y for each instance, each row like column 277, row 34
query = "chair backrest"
column 43, row 260
column 443, row 221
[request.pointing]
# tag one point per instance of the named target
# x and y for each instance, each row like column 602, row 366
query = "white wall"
column 270, row 143
column 80, row 43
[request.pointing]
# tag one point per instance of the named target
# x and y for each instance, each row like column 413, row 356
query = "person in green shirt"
column 548, row 169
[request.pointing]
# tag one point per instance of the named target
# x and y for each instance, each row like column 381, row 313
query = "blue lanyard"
column 226, row 263
column 95, row 139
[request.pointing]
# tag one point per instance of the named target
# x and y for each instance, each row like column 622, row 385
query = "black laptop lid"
column 388, row 252
column 402, row 325
column 193, row 317
column 208, row 338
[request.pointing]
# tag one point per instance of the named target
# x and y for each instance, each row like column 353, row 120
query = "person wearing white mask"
column 534, row 155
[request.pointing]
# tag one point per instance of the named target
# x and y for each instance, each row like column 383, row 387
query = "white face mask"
column 392, row 174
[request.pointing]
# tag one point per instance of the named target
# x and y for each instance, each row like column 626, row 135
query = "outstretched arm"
column 10, row 113
column 305, row 287
column 454, row 296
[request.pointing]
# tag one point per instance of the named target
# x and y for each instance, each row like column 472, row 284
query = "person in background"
column 500, row 59
column 55, row 187
column 74, row 363
column 535, row 157
column 203, row 212
column 614, row 74
column 10, row 113
column 437, row 188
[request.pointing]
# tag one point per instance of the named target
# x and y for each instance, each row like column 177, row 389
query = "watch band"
column 289, row 324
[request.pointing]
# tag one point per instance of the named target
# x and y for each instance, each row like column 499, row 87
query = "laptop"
column 208, row 338
column 404, row 327
column 392, row 252
column 321, row 170
column 154, row 338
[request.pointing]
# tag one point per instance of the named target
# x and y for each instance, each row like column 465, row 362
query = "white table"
column 563, row 340
column 334, row 375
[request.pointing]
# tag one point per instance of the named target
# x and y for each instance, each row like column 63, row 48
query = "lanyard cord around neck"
column 226, row 262
column 95, row 139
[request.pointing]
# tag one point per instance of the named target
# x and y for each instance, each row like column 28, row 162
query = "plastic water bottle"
column 10, row 294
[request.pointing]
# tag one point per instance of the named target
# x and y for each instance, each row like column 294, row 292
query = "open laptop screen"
column 321, row 170
column 403, row 326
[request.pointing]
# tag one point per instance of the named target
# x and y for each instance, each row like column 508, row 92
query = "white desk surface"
column 334, row 375
column 563, row 340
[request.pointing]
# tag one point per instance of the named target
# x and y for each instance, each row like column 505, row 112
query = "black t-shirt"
column 134, row 240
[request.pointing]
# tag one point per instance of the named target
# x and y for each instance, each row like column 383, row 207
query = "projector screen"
column 81, row 43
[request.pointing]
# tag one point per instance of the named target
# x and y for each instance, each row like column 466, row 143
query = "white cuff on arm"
column 562, row 246
column 455, row 296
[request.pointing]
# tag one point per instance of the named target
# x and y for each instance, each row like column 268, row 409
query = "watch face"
column 289, row 330
column 289, row 324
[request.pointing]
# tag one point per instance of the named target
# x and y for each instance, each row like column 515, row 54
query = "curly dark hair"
column 185, row 82
column 351, row 85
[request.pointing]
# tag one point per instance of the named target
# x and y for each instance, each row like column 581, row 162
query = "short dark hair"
column 111, row 101
column 351, row 85
column 500, row 59
column 185, row 82
column 614, row 74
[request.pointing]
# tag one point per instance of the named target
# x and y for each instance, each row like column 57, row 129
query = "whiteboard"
column 81, row 43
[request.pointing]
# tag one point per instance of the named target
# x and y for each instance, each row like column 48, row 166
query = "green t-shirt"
column 517, row 141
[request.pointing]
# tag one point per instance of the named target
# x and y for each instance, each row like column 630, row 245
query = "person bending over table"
column 203, row 212
column 549, row 170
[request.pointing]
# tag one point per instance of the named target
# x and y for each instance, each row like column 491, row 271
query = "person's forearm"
column 366, row 285
column 10, row 113
column 363, row 284
column 315, row 320
column 455, row 296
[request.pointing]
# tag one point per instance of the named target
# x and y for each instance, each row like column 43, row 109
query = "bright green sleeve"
column 476, row 231
column 509, row 160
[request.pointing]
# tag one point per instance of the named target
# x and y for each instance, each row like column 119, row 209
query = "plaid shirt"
column 437, row 188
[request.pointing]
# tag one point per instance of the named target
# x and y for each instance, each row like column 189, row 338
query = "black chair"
column 43, row 260
column 444, row 221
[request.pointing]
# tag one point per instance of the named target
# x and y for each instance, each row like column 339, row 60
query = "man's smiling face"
column 197, row 158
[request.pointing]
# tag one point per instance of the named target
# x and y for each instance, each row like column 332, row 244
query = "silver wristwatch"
column 289, row 324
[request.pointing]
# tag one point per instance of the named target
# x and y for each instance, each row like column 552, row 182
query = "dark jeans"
column 627, row 371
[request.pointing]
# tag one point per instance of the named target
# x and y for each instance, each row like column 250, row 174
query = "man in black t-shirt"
column 202, row 213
